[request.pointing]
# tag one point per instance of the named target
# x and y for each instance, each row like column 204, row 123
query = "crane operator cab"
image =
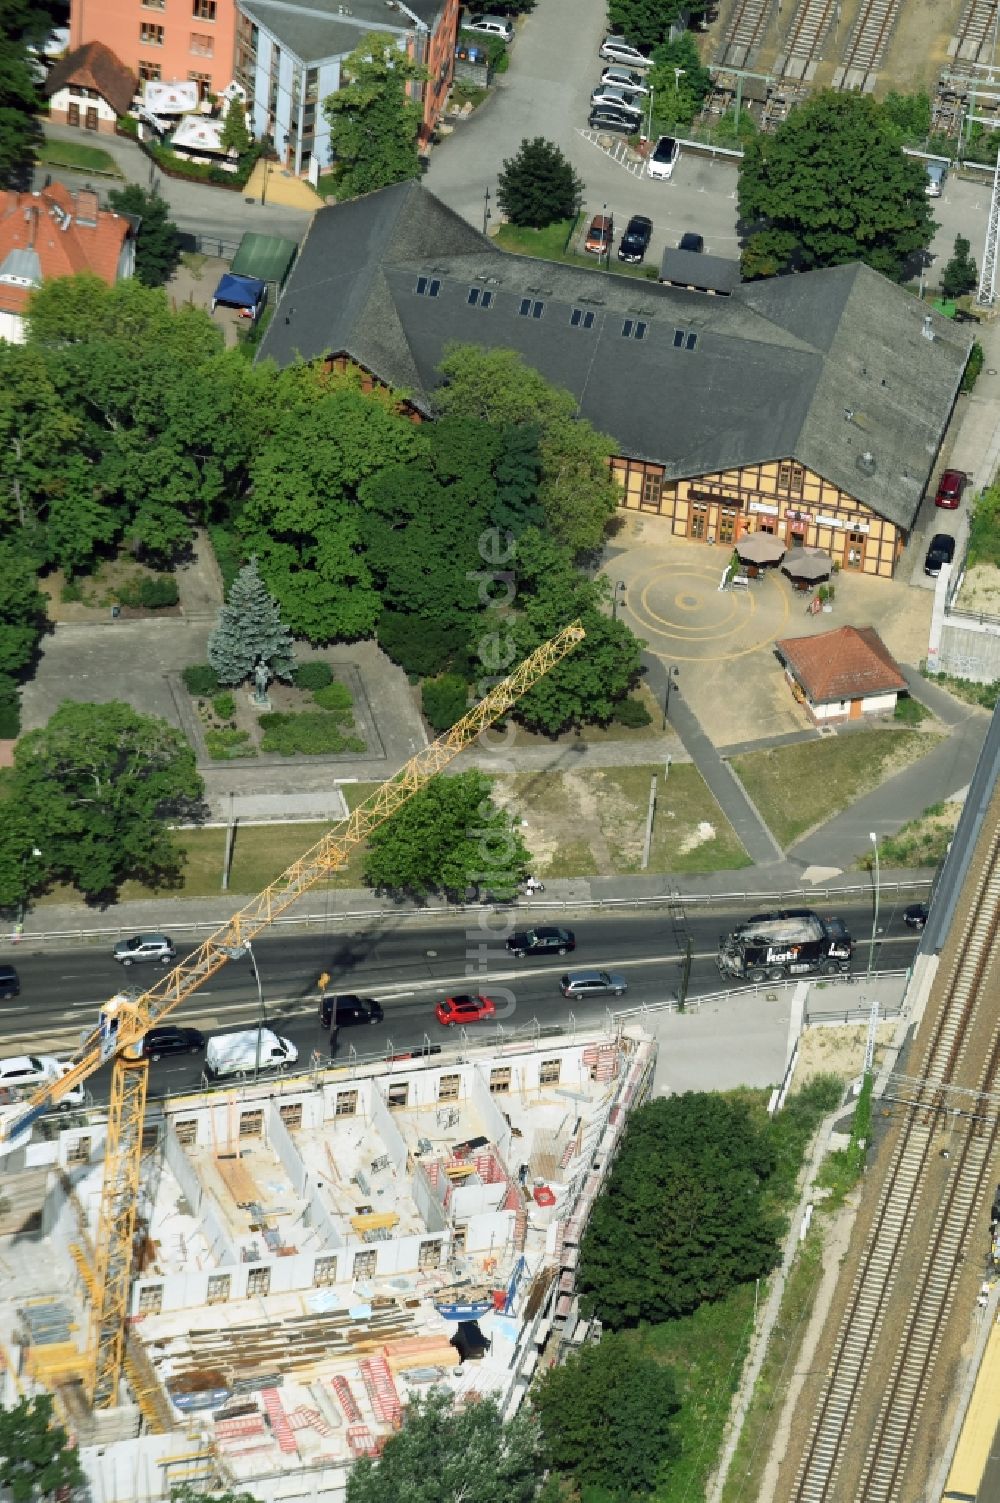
column 122, row 1005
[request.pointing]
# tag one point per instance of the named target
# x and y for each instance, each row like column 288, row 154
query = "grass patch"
column 798, row 787
column 226, row 744
column 984, row 695
column 77, row 154
column 467, row 93
column 984, row 529
column 910, row 711
column 920, row 842
column 552, row 244
column 690, row 831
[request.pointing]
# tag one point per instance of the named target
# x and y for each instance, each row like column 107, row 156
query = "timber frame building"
column 810, row 406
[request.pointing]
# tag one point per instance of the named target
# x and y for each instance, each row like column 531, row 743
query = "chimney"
column 31, row 216
column 87, row 206
column 928, row 329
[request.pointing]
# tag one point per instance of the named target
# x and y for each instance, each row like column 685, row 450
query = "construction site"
column 312, row 1252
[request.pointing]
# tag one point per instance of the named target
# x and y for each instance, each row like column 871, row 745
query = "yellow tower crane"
column 125, row 1019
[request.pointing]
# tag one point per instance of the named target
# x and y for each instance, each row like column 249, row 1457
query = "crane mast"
column 125, row 1019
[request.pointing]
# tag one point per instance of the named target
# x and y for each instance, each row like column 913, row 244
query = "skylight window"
column 580, row 319
column 529, row 309
column 691, row 341
column 480, row 297
column 428, row 286
column 678, row 338
column 634, row 328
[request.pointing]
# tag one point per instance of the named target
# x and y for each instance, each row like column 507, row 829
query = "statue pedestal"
column 259, row 702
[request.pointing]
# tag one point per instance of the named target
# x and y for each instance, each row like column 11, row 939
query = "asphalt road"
column 408, row 969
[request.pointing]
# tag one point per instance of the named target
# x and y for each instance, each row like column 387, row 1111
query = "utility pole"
column 649, row 822
column 227, row 859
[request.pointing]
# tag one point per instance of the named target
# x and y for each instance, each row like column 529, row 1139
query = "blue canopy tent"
column 249, row 294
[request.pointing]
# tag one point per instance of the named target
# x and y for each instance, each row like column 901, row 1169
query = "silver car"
column 592, row 984
column 141, row 947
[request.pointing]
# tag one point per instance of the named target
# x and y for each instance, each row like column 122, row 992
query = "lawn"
column 920, row 842
column 799, row 787
column 550, row 245
column 76, row 154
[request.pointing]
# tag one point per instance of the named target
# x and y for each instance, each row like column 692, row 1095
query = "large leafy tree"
column 158, row 242
column 443, row 1455
column 608, row 1418
column 644, row 23
column 577, row 493
column 92, row 790
column 448, row 838
column 36, row 1457
column 959, row 275
column 677, row 98
column 374, row 123
column 250, row 631
column 22, row 23
column 538, row 185
column 689, row 1189
column 302, row 519
column 831, row 186
column 22, row 606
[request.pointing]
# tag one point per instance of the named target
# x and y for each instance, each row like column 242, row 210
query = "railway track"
column 977, row 32
column 744, row 33
column 804, row 41
column 866, row 45
column 900, row 1401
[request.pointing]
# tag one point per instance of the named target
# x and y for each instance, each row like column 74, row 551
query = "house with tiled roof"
column 56, row 233
column 90, row 87
column 811, row 406
column 842, row 675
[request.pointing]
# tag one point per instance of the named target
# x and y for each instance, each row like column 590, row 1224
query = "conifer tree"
column 250, row 631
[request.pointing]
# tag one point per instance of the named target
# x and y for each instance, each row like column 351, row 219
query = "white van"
column 243, row 1053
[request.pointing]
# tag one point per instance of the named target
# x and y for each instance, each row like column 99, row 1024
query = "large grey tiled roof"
column 831, row 367
column 315, row 30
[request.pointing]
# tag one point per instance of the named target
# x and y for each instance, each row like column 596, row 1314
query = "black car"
column 608, row 117
column 691, row 241
column 169, row 1039
column 635, row 241
column 10, row 982
column 915, row 917
column 941, row 551
column 548, row 941
column 349, row 1009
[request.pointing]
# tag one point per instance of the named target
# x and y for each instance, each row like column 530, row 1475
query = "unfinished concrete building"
column 315, row 1251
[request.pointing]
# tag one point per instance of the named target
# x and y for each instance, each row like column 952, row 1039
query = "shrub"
column 10, row 709
column 157, row 592
column 226, row 744
column 909, row 711
column 312, row 734
column 70, row 592
column 224, row 706
column 632, row 712
column 337, row 699
column 976, row 361
column 201, row 678
column 228, row 549
column 312, row 676
column 418, row 646
column 445, row 700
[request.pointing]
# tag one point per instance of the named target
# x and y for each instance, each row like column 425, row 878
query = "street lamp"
column 237, row 952
column 487, row 216
column 617, row 598
column 24, row 896
column 678, row 75
column 604, row 214
column 871, row 948
column 649, row 118
column 673, row 673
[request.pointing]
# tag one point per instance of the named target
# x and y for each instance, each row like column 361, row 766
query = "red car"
column 949, row 492
column 464, row 1010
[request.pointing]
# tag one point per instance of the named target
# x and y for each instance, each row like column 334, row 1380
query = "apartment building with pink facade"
column 163, row 39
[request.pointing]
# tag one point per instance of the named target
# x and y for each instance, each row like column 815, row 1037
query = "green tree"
column 93, row 788
column 959, row 275
column 158, row 240
column 22, row 607
column 234, row 135
column 186, row 1493
column 442, row 1455
column 421, row 647
column 448, row 838
column 250, row 631
column 36, row 1457
column 909, row 114
column 608, row 1418
column 577, row 492
column 538, row 185
column 21, row 24
column 444, row 700
column 374, row 122
column 645, row 23
column 832, row 186
column 678, row 99
column 689, row 1186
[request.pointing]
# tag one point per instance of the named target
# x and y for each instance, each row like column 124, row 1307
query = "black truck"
column 788, row 942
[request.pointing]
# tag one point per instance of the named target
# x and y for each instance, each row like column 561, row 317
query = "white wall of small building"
column 871, row 704
column 12, row 328
column 85, row 100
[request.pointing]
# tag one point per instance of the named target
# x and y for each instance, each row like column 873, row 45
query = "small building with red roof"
column 56, row 233
column 90, row 87
column 843, row 674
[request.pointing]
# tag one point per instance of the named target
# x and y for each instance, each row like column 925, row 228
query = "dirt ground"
column 99, row 591
column 980, row 590
column 838, row 1051
column 194, row 281
column 917, row 53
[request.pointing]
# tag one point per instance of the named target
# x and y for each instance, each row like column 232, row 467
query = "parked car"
column 936, row 174
column 542, row 941
column 170, row 1039
column 10, row 982
column 635, row 241
column 915, row 917
column 600, row 235
column 941, row 551
column 617, row 50
column 610, row 117
column 24, row 1073
column 349, row 1009
column 248, row 1052
column 950, row 488
column 592, row 984
column 663, row 160
column 618, row 99
column 491, row 26
column 145, row 947
column 468, row 1009
column 625, row 78
column 691, row 241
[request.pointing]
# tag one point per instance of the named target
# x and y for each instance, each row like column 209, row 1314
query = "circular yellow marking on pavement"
column 732, row 615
